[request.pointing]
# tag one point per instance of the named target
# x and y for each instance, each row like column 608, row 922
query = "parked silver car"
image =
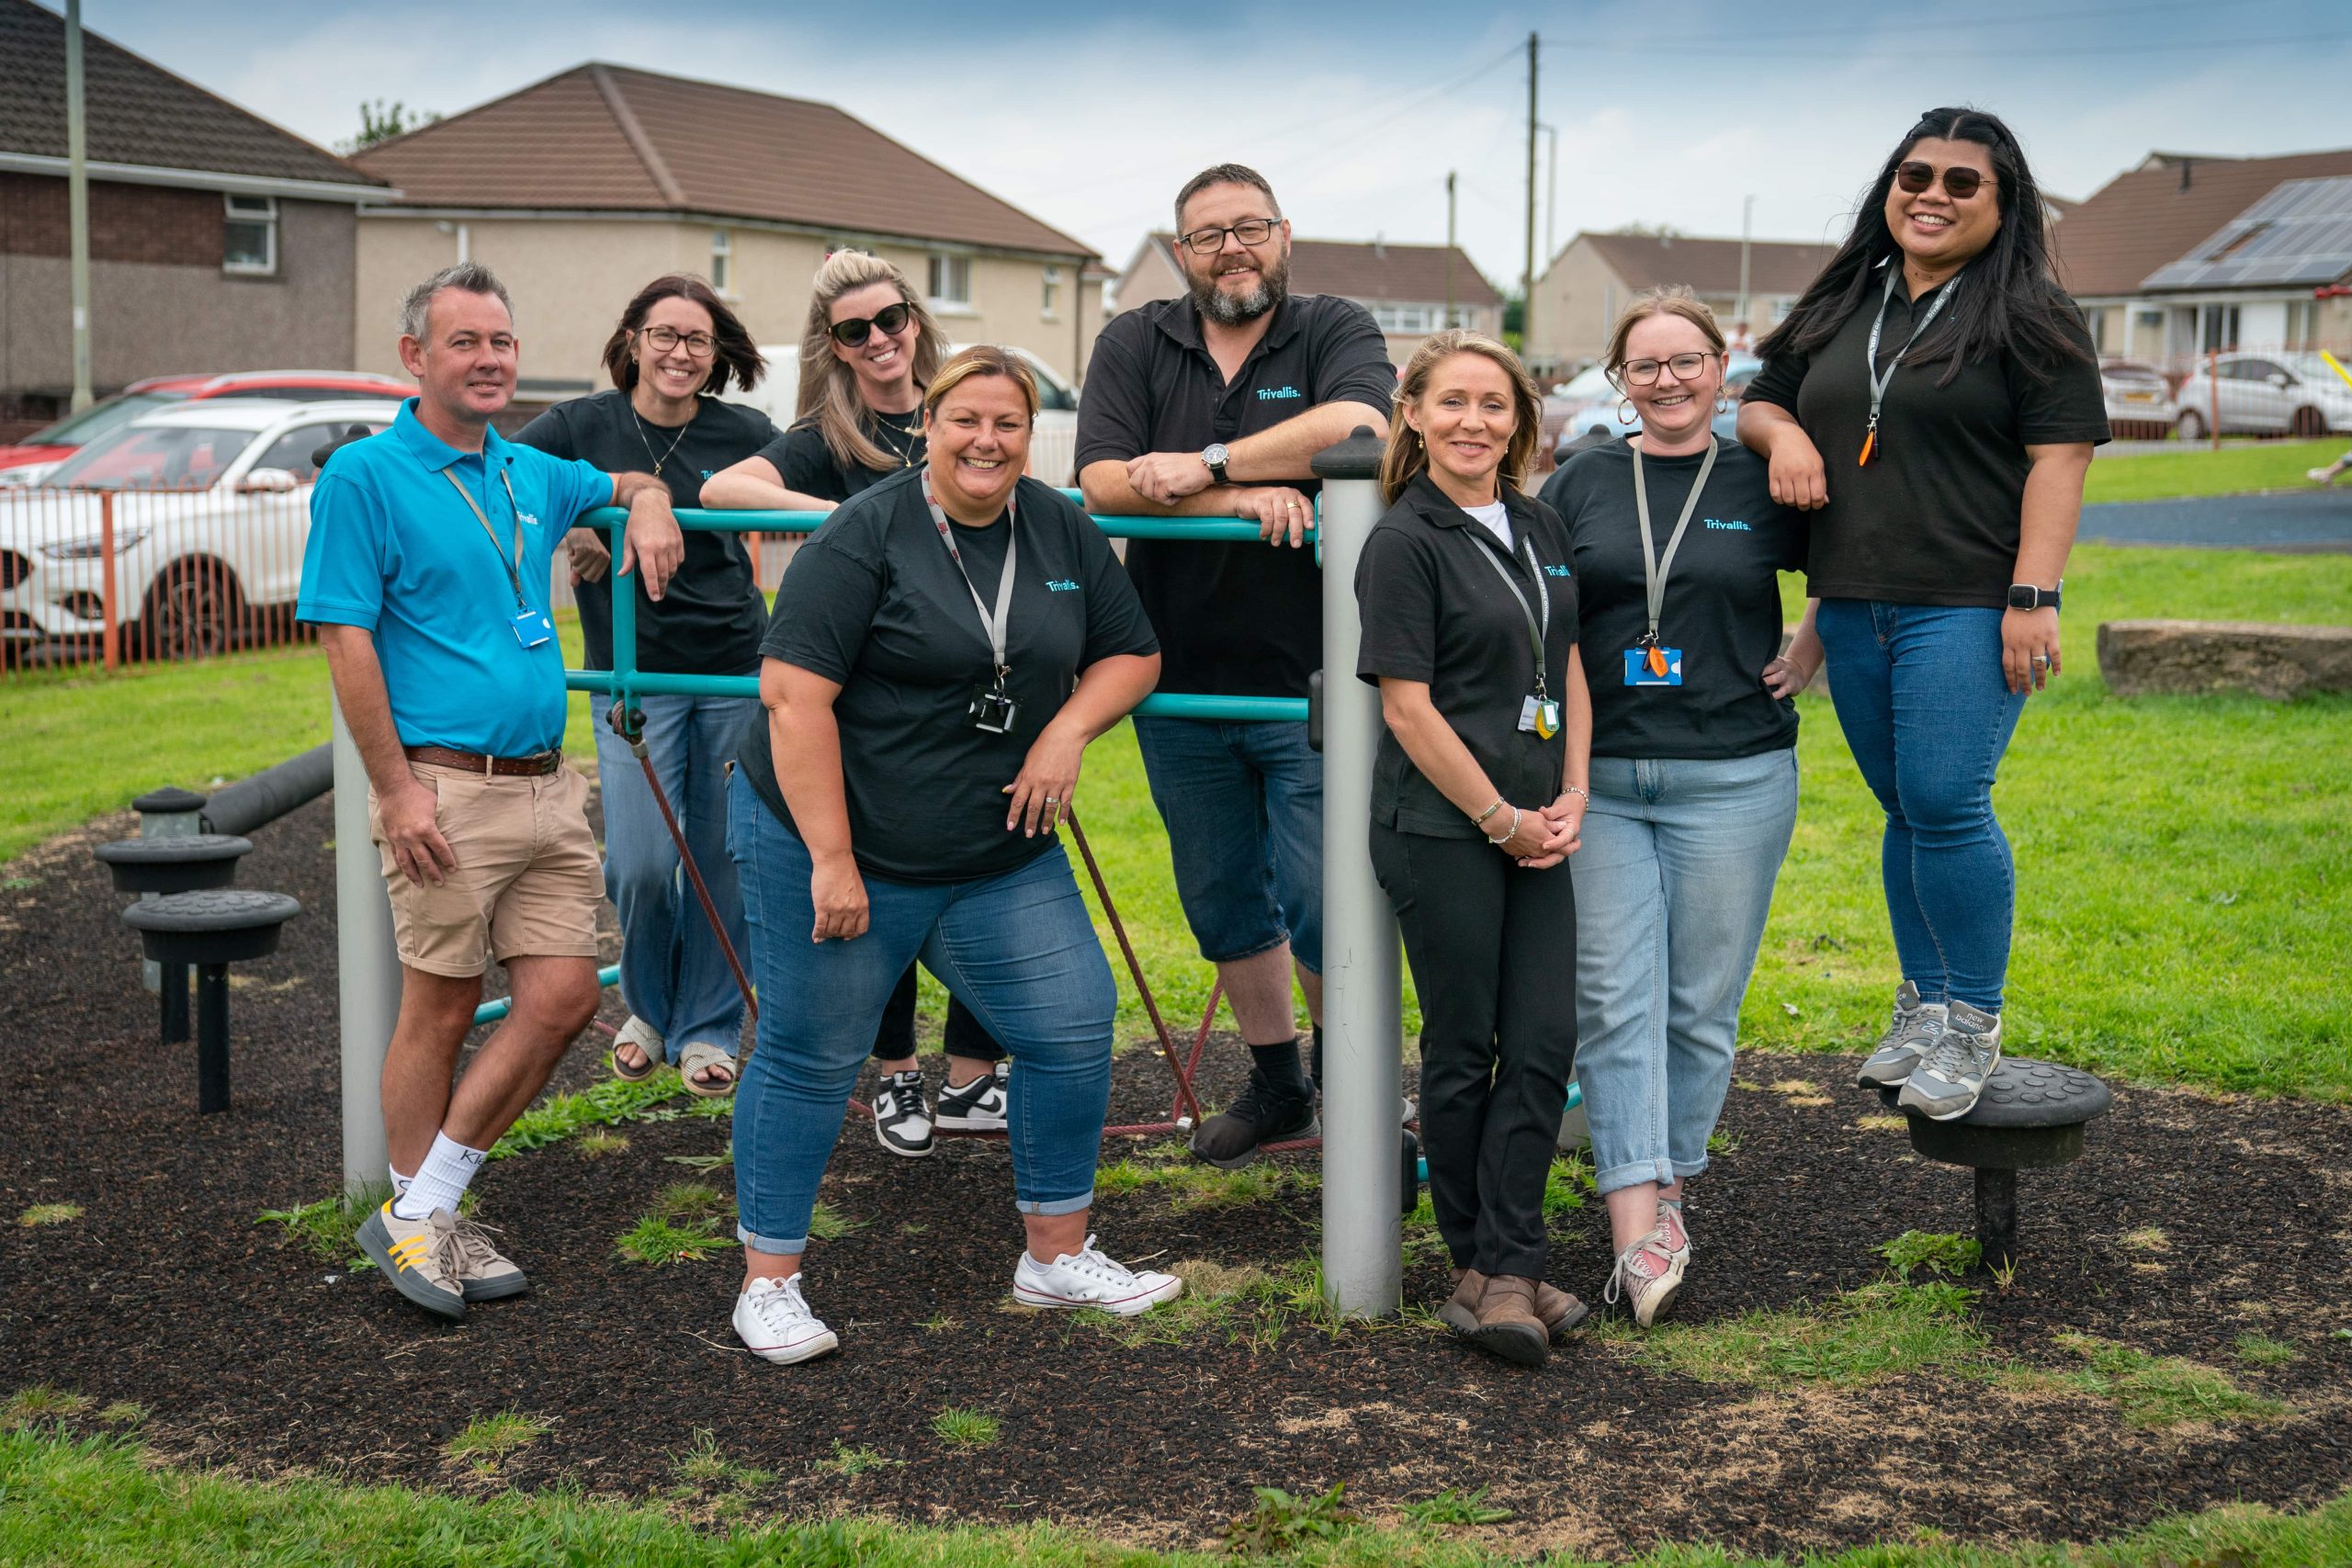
column 2263, row 394
column 2140, row 403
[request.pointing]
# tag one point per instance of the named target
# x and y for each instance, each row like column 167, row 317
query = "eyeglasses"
column 1249, row 232
column 661, row 340
column 1643, row 372
column 890, row 320
column 1960, row 182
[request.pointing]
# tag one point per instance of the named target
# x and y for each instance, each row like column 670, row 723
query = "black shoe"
column 1264, row 1112
column 901, row 1119
column 978, row 1106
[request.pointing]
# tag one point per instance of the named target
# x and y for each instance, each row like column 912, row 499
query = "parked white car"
column 1053, row 448
column 2264, row 394
column 2139, row 399
column 211, row 506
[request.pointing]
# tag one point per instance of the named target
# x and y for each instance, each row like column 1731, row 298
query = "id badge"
column 1540, row 716
column 532, row 627
column 993, row 710
column 1640, row 671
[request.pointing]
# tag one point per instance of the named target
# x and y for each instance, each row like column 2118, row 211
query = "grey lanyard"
column 1878, row 382
column 514, row 571
column 1654, row 570
column 994, row 625
column 1535, row 634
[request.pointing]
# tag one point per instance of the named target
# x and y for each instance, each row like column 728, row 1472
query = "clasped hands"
column 1548, row 835
column 1283, row 513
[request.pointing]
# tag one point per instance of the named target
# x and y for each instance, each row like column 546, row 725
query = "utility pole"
column 1449, row 250
column 1746, row 212
column 77, row 205
column 1527, row 277
column 1552, row 192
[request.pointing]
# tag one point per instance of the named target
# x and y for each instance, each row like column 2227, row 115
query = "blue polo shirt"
column 393, row 547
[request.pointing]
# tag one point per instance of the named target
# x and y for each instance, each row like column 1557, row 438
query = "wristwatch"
column 1213, row 456
column 2026, row 596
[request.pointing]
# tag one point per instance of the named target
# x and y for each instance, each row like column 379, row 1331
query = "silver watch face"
column 1213, row 456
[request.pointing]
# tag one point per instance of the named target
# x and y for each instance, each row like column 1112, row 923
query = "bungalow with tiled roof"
column 1579, row 296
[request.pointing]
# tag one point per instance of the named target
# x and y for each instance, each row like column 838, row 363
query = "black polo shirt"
column 1435, row 611
column 873, row 602
column 1721, row 606
column 808, row 467
column 1235, row 619
column 1935, row 516
column 708, row 618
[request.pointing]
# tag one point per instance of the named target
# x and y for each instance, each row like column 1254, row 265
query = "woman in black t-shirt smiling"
column 1470, row 627
column 1694, row 775
column 869, row 351
column 1933, row 398
column 952, row 638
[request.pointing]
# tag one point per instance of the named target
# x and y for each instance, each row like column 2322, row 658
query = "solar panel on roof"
column 2300, row 235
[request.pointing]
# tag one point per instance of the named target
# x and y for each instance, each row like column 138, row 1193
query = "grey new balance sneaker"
column 1944, row 1087
column 419, row 1257
column 1907, row 1038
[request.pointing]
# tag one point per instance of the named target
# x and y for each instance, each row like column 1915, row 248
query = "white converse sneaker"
column 776, row 1324
column 1648, row 1276
column 901, row 1118
column 1087, row 1279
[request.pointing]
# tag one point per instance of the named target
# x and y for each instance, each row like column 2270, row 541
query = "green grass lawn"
column 2182, row 862
column 2197, row 470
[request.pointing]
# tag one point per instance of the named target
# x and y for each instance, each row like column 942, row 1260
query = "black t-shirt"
column 707, row 620
column 1721, row 606
column 873, row 602
column 1434, row 610
column 1237, row 619
column 1934, row 518
column 809, row 465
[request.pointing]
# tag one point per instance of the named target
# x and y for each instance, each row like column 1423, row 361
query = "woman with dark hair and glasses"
column 677, row 347
column 867, row 353
column 1933, row 400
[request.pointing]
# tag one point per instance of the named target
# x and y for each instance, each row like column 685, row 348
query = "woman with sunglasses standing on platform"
column 869, row 350
column 1933, row 399
column 676, row 348
column 1679, row 548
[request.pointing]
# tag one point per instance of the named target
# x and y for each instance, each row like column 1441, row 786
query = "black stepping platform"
column 208, row 930
column 2030, row 1117
column 181, row 863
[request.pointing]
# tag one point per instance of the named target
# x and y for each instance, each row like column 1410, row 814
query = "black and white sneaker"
column 901, row 1116
column 978, row 1106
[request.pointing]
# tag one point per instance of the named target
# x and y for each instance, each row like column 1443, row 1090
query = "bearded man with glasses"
column 1213, row 405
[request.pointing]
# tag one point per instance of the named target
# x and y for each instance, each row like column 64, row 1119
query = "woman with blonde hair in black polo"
column 1479, row 795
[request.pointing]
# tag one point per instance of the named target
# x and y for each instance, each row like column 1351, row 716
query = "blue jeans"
column 673, row 974
column 1927, row 713
column 1672, row 885
column 1017, row 948
column 1244, row 808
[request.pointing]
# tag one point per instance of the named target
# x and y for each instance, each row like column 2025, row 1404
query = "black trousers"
column 1493, row 949
column 965, row 1035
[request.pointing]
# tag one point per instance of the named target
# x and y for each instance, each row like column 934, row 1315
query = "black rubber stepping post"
column 1997, row 1216
column 2030, row 1117
column 175, row 1003
column 211, row 1038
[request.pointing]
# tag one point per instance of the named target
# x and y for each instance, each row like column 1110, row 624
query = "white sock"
column 441, row 1180
column 399, row 1182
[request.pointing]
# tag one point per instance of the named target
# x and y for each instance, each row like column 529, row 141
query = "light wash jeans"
column 1017, row 948
column 1928, row 715
column 1672, row 885
column 673, row 974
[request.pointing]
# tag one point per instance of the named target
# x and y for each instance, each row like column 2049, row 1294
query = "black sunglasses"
column 1960, row 182
column 889, row 319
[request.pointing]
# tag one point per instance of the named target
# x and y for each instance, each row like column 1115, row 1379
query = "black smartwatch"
column 1213, row 456
column 2026, row 596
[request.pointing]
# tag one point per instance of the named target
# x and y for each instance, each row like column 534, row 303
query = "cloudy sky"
column 1090, row 115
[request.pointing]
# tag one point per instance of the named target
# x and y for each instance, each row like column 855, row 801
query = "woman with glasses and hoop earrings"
column 867, row 353
column 677, row 347
column 1933, row 399
column 1678, row 547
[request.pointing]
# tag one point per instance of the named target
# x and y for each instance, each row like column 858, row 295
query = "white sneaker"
column 902, row 1115
column 978, row 1106
column 776, row 1324
column 1087, row 1279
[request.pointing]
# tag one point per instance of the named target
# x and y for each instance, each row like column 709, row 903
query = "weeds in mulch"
column 1935, row 1251
column 1192, row 1186
column 1456, row 1509
column 848, row 1461
column 967, row 1429
column 829, row 1223
column 488, row 1440
column 1722, row 1142
column 1882, row 1123
column 123, row 1413
column 2261, row 1350
column 2160, row 1391
column 1565, row 1184
column 940, row 1323
column 41, row 1402
column 599, row 1143
column 49, row 1214
column 691, row 1201
column 703, row 1465
column 600, row 1105
column 1280, row 1522
column 2147, row 1239
column 703, row 1162
column 329, row 1226
column 1880, row 1330
column 655, row 1241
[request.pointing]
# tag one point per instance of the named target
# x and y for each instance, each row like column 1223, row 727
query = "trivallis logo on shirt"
column 1732, row 526
column 1269, row 394
column 1060, row 585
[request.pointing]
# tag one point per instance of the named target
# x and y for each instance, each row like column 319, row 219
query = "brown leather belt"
column 475, row 762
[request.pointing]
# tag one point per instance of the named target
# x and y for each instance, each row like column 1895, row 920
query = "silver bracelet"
column 1514, row 828
column 1577, row 789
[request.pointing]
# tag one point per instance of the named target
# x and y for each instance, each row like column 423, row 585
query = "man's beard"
column 1236, row 310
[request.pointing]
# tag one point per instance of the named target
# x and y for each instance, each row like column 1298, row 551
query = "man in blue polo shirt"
column 426, row 572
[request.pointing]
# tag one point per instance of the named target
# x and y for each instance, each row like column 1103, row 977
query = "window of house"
column 249, row 238
column 722, row 261
column 1049, row 304
column 2095, row 321
column 1405, row 318
column 951, row 281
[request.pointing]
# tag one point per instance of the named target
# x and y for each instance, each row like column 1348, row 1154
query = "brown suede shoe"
column 1507, row 1326
column 1561, row 1312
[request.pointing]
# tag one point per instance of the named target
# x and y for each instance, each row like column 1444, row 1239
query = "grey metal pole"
column 1747, row 216
column 1362, row 999
column 77, row 205
column 368, row 967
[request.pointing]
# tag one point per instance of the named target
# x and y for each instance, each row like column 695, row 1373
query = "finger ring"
column 1052, row 800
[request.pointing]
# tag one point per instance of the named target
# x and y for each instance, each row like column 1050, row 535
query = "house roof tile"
column 1370, row 270
column 1709, row 266
column 2143, row 218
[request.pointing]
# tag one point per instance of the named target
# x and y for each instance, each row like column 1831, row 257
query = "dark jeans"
column 1493, row 952
column 966, row 1037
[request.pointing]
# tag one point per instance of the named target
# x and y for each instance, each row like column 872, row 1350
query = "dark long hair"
column 737, row 358
column 2010, row 302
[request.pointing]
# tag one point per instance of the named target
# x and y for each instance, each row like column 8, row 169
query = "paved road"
column 2309, row 520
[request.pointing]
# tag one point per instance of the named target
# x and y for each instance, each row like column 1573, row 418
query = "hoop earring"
column 1722, row 403
column 1625, row 411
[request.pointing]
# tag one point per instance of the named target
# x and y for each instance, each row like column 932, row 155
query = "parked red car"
column 27, row 460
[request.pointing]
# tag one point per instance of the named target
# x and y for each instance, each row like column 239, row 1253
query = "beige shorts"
column 528, row 877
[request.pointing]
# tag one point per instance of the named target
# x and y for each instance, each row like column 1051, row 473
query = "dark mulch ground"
column 248, row 1354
